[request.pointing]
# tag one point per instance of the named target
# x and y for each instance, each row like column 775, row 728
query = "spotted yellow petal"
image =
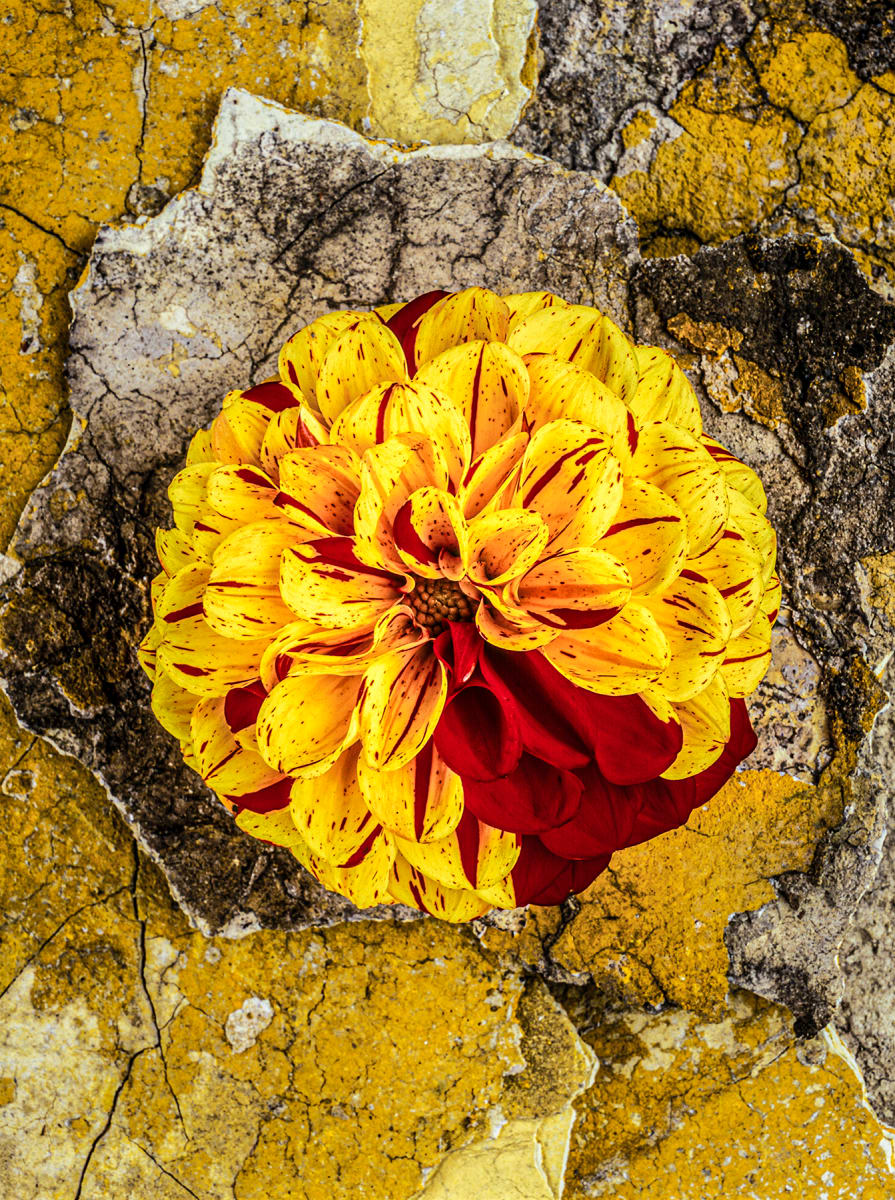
column 319, row 488
column 223, row 763
column 705, row 721
column 583, row 336
column 302, row 356
column 324, row 581
column 364, row 879
column 330, row 811
column 663, row 392
column 488, row 383
column 389, row 474
column 200, row 448
column 673, row 460
column 757, row 529
column 747, row 658
column 574, row 589
column 173, row 706
column 514, row 630
column 360, row 358
column 237, row 433
column 475, row 855
column 562, row 389
column 429, row 532
column 409, row 886
column 403, row 697
column 243, row 492
column 291, row 429
column 523, row 304
column 275, row 826
column 468, row 316
column 737, row 474
column 422, row 801
column 734, row 567
column 696, row 624
column 649, row 535
column 173, row 549
column 147, row 651
column 571, row 480
column 617, row 658
column 503, row 545
column 307, row 721
column 242, row 598
column 187, row 492
column 492, row 478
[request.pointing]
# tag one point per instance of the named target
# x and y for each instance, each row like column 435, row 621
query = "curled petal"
column 696, row 623
column 562, row 389
column 173, row 706
column 734, row 567
column 757, row 530
column 147, row 651
column 468, row 316
column 663, row 392
column 503, row 545
column 405, row 321
column 574, row 589
column 705, row 721
column 324, row 582
column 365, row 355
column 389, row 475
column 492, row 478
column 649, row 535
column 319, row 488
column 410, row 886
column 582, row 336
column 173, row 549
column 225, row 765
column 422, row 801
column 237, row 433
column 475, row 855
column 569, row 477
column 200, row 448
column 747, row 658
column 330, row 811
column 364, row 879
column 393, row 408
column 187, row 492
column 479, row 735
column 292, row 429
column 302, row 356
column 488, row 384
column 602, row 822
column 242, row 598
column 738, row 476
column 402, row 699
column 429, row 531
column 617, row 658
column 307, row 721
column 511, row 631
column 523, row 304
column 275, row 826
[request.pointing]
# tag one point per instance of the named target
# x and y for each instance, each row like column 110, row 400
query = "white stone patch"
column 24, row 286
column 176, row 319
column 246, row 1023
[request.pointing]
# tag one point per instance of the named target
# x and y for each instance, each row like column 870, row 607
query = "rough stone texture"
column 303, row 216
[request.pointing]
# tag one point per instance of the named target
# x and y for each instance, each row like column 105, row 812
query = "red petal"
column 545, row 732
column 532, row 798
column 603, row 822
column 478, row 734
column 405, row 322
column 669, row 802
column 267, row 799
column 241, row 705
column 459, row 648
column 631, row 744
column 540, row 877
column 273, row 395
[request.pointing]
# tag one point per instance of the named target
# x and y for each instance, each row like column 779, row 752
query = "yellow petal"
column 523, row 304
column 562, row 389
column 336, row 651
column 393, row 408
column 307, row 721
column 389, row 474
column 242, row 598
column 237, row 433
column 574, row 589
column 225, row 765
column 618, row 658
column 200, row 448
column 757, row 529
column 771, row 599
column 734, row 567
column 187, row 492
column 409, row 886
column 487, row 382
column 147, row 651
column 583, row 336
column 324, row 582
column 475, row 855
column 663, row 392
column 503, row 545
column 517, row 632
column 402, row 700
column 330, row 811
column 365, row 881
column 173, row 706
column 291, row 429
column 468, row 316
column 429, row 533
column 492, row 478
column 649, row 535
column 244, row 493
column 673, row 460
column 302, row 356
column 705, row 721
column 569, row 477
column 277, row 827
column 363, row 356
column 696, row 624
column 737, row 474
column 747, row 658
column 319, row 488
column 173, row 549
column 196, row 656
column 422, row 801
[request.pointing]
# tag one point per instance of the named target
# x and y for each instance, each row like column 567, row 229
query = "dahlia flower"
column 463, row 602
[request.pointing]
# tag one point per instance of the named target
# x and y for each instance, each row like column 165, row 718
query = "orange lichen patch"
column 880, row 572
column 807, row 74
column 707, row 1110
column 651, row 929
column 638, row 129
column 708, row 336
column 760, row 394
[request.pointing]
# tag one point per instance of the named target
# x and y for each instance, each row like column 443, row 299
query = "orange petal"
column 225, row 765
column 324, row 582
column 511, row 632
column 245, row 493
column 291, row 429
column 475, row 855
column 487, row 382
column 319, row 487
column 491, row 479
column 389, row 474
column 429, row 533
column 574, row 589
column 503, row 545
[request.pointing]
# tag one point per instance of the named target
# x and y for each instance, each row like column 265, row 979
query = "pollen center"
column 434, row 602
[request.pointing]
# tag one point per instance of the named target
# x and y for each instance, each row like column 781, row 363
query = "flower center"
column 434, row 602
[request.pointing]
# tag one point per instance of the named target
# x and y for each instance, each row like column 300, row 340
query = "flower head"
column 463, row 602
